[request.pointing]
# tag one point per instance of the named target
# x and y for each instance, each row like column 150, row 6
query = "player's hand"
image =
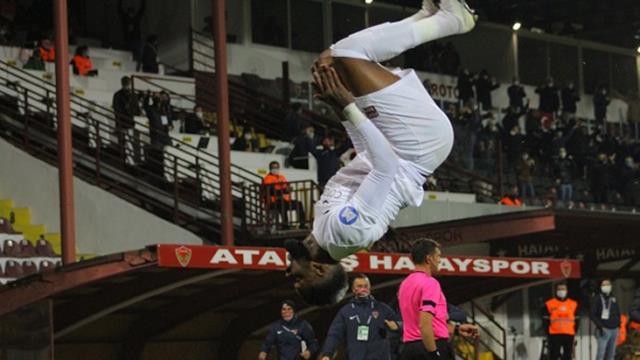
column 306, row 355
column 392, row 325
column 330, row 87
column 469, row 331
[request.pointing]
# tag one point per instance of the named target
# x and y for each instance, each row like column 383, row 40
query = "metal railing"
column 280, row 206
column 262, row 111
column 141, row 164
column 496, row 344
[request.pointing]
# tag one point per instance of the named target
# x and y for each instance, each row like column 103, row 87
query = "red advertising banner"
column 259, row 258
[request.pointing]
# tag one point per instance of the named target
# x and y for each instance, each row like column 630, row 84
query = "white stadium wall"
column 105, row 223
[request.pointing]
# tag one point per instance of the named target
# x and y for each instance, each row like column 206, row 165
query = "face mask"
column 606, row 289
column 525, row 157
column 563, row 155
column 517, row 83
column 275, row 171
column 247, row 136
column 561, row 294
column 629, row 163
column 363, row 292
column 199, row 115
column 310, row 134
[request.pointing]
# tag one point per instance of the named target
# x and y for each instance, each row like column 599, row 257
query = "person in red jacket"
column 82, row 64
column 47, row 51
column 277, row 195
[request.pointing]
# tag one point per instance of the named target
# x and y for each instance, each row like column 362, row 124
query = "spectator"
column 328, row 159
column 302, row 145
column 125, row 106
column 513, row 145
column 627, row 174
column 277, row 195
column 294, row 120
column 292, row 336
column 511, row 199
column 465, row 86
column 34, row 60
column 158, row 121
column 633, row 114
column 82, row 64
column 467, row 126
column 484, row 86
column 578, row 147
column 150, row 55
column 131, row 33
column 242, row 141
column 564, row 175
column 559, row 314
column 605, row 314
column 549, row 98
column 524, row 169
column 194, row 123
column 516, row 94
column 450, row 59
column 570, row 98
column 366, row 338
column 601, row 101
column 600, row 172
column 47, row 51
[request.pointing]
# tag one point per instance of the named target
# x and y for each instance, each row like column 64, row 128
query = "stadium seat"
column 29, row 267
column 5, row 237
column 11, row 248
column 47, row 266
column 26, row 249
column 44, row 248
column 13, row 269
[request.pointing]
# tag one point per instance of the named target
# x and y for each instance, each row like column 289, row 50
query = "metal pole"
column 224, row 148
column 65, row 160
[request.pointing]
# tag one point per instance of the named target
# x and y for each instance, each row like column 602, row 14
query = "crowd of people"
column 548, row 152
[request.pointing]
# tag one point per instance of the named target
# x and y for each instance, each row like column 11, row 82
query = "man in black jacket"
column 328, row 159
column 125, row 106
column 570, row 98
column 605, row 314
column 465, row 86
column 516, row 95
column 564, row 175
column 288, row 335
column 601, row 101
column 600, row 178
column 484, row 86
column 549, row 99
column 364, row 324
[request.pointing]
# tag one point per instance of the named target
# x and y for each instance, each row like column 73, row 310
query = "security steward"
column 364, row 324
column 559, row 314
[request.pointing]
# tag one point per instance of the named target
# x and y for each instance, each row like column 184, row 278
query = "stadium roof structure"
column 129, row 300
column 615, row 22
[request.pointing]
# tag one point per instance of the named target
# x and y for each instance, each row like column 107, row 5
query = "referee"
column 424, row 308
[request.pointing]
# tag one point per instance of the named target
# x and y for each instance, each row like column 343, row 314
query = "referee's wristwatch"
column 434, row 355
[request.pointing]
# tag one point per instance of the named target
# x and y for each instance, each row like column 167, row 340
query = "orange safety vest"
column 280, row 184
column 83, row 64
column 510, row 202
column 47, row 55
column 562, row 316
column 622, row 335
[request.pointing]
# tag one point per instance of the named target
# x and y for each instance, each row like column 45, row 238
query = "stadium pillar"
column 224, row 148
column 65, row 159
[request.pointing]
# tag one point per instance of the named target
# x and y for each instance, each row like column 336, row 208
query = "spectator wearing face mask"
column 516, row 95
column 601, row 101
column 277, row 196
column 524, row 171
column 194, row 123
column 82, row 64
column 549, row 98
column 364, row 325
column 605, row 314
column 559, row 315
column 570, row 98
column 564, row 175
column 303, row 144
